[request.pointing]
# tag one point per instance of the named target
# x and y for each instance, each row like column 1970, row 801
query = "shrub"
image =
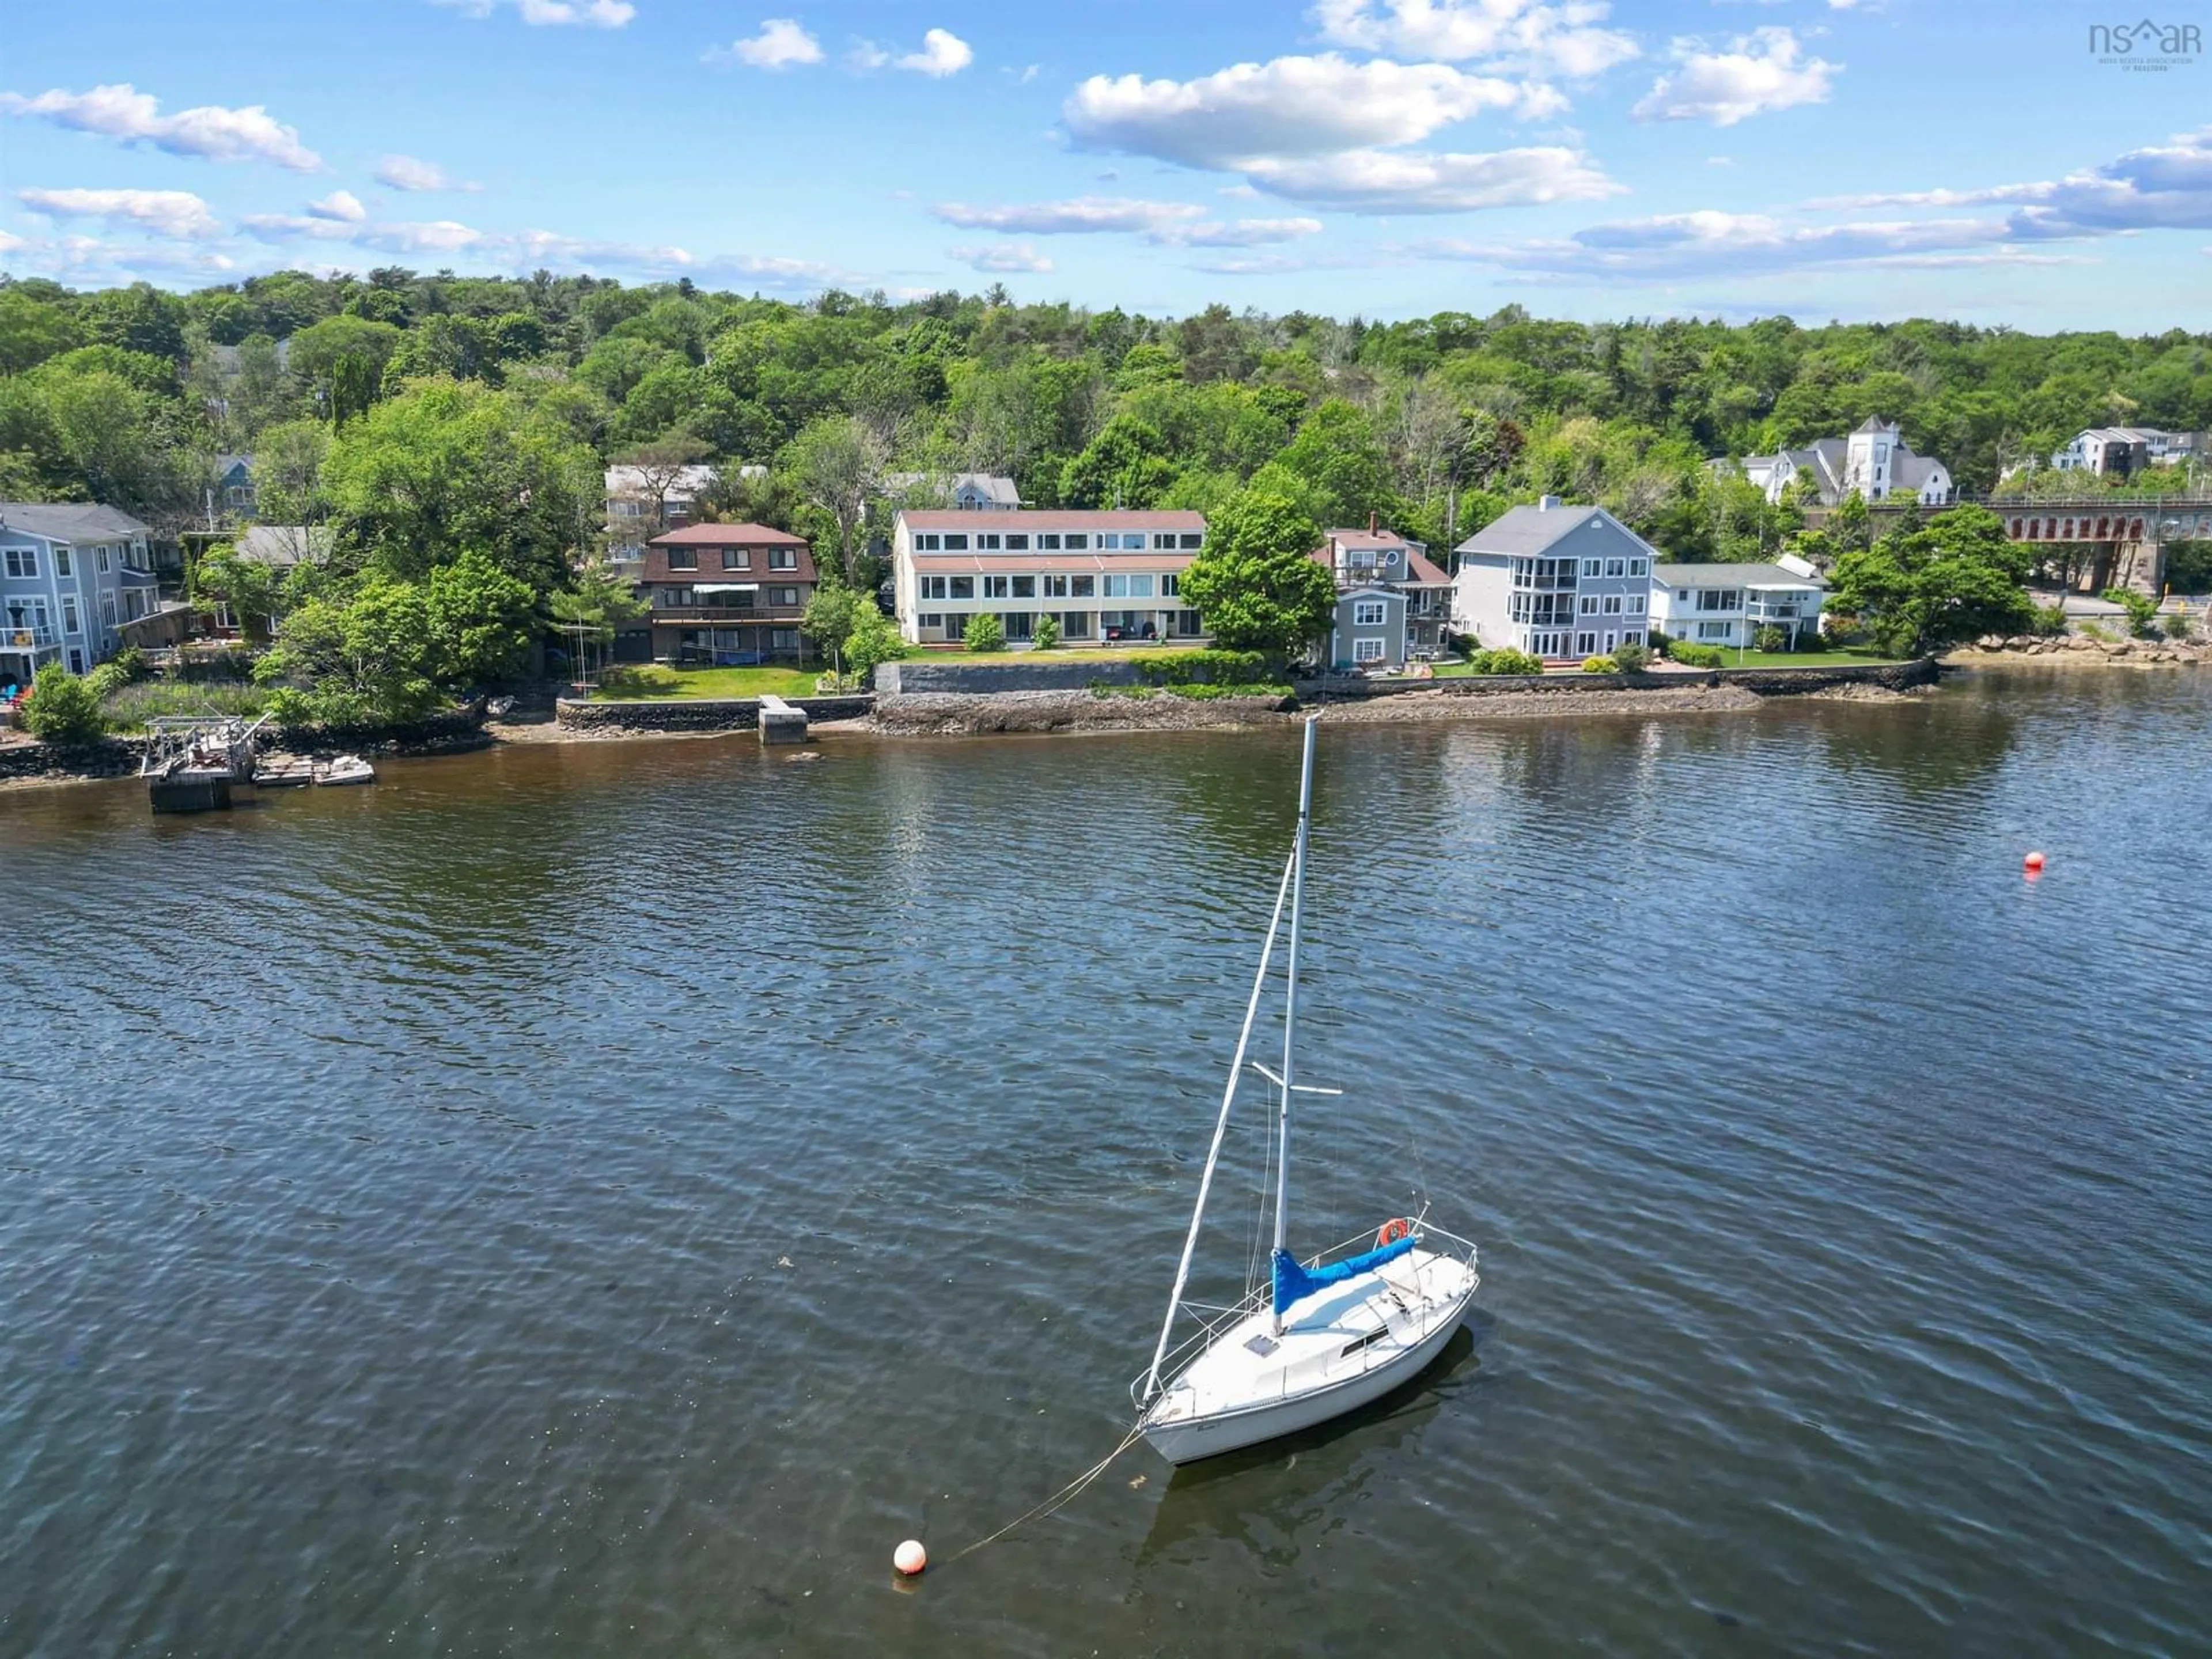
column 2177, row 625
column 1658, row 638
column 1504, row 660
column 2097, row 632
column 2049, row 622
column 1600, row 664
column 2142, row 609
column 130, row 663
column 133, row 706
column 62, row 708
column 1632, row 658
column 104, row 681
column 1212, row 667
column 1048, row 632
column 1771, row 638
column 1207, row 693
column 983, row 633
column 1695, row 656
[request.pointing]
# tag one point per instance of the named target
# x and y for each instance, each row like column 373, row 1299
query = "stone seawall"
column 696, row 713
column 1761, row 681
column 915, row 677
column 118, row 757
column 943, row 713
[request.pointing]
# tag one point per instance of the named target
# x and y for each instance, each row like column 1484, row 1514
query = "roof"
column 226, row 465
column 995, row 485
column 69, row 521
column 1527, row 530
column 1875, row 424
column 727, row 534
column 684, row 481
column 1730, row 575
column 1426, row 570
column 1366, row 539
column 1420, row 570
column 1027, row 518
column 283, row 543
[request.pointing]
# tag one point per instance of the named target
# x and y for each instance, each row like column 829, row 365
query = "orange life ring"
column 1392, row 1231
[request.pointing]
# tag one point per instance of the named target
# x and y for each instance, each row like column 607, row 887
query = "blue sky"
column 1867, row 160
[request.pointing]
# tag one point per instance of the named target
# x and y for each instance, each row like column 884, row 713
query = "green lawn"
column 1860, row 656
column 653, row 681
column 1058, row 653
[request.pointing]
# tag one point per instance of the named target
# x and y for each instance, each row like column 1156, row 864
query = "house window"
column 1714, row 630
column 1082, row 587
column 736, row 558
column 1049, row 542
column 1368, row 613
column 1585, row 644
column 783, row 596
column 957, row 543
column 1128, row 587
column 1077, row 541
column 1591, row 567
column 1164, row 544
column 930, row 619
column 1613, row 604
column 1190, row 540
column 1635, row 606
column 1638, row 568
column 1367, row 651
column 1170, row 586
column 998, row 587
column 683, row 558
column 925, row 544
column 22, row 561
column 1616, row 567
column 108, row 610
column 986, row 542
column 1589, row 604
column 783, row 639
column 962, row 587
column 933, row 587
column 69, row 615
column 64, row 564
column 783, row 558
column 1026, row 587
column 102, row 553
column 1018, row 543
column 1055, row 587
column 1632, row 637
column 1018, row 624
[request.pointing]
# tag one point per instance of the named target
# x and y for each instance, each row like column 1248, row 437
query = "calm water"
column 596, row 1199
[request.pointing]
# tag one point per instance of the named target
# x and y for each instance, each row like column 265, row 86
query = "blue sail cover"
column 1293, row 1282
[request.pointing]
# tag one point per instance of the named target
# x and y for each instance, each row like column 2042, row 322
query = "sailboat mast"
column 1290, row 996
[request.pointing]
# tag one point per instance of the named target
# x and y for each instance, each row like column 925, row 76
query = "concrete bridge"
column 2097, row 542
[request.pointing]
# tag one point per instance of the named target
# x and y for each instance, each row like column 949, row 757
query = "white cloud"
column 1541, row 39
column 781, row 44
column 1289, row 107
column 419, row 236
column 595, row 14
column 942, row 53
column 176, row 214
column 339, row 204
column 210, row 131
column 410, row 172
column 1242, row 192
column 1005, row 257
column 1421, row 181
column 1237, row 233
column 1081, row 214
column 10, row 242
column 1760, row 71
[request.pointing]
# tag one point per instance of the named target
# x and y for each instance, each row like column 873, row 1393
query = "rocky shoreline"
column 2094, row 652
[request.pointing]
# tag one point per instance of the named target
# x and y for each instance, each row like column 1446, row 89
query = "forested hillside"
column 127, row 395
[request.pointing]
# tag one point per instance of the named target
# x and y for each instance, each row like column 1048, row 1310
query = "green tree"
column 287, row 473
column 833, row 610
column 1951, row 579
column 63, row 709
column 364, row 659
column 983, row 633
column 482, row 619
column 1256, row 581
column 250, row 588
column 32, row 330
column 839, row 463
column 874, row 640
column 1045, row 633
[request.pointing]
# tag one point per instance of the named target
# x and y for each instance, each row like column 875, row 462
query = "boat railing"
column 1223, row 1318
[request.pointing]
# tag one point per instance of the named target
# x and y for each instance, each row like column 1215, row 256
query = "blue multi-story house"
column 73, row 574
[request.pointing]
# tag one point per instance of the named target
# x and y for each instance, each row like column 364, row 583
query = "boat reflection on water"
column 1232, row 1497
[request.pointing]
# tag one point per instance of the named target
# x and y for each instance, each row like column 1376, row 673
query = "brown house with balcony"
column 727, row 593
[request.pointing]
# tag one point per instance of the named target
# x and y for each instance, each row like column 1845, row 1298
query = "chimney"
column 1370, row 520
column 1547, row 503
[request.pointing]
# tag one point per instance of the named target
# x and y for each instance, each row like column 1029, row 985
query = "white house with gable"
column 1555, row 580
column 1874, row 461
column 1727, row 604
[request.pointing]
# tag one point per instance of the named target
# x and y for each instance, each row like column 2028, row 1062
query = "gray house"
column 1392, row 602
column 1369, row 630
column 72, row 576
column 1556, row 580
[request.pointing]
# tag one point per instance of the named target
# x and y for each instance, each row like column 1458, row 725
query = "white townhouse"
column 1555, row 580
column 1727, row 604
column 71, row 575
column 1101, row 575
column 1873, row 460
column 2125, row 450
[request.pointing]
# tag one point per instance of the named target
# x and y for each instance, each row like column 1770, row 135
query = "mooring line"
column 1066, row 1495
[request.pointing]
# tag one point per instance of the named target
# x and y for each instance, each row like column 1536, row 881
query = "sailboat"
column 1320, row 1337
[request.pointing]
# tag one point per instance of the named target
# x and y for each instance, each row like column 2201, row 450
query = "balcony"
column 1774, row 611
column 724, row 616
column 28, row 636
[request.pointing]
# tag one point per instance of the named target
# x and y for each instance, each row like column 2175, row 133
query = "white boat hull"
column 1231, row 1397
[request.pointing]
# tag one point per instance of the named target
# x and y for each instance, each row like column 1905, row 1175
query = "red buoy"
column 2033, row 863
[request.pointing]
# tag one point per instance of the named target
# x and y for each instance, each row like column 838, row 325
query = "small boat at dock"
column 344, row 768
